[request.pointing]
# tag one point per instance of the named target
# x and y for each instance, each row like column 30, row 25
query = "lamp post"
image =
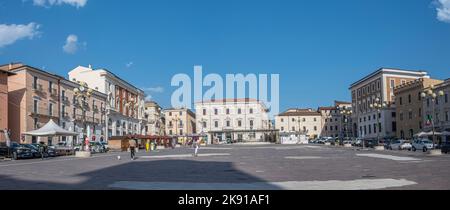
column 345, row 113
column 431, row 94
column 378, row 106
column 83, row 92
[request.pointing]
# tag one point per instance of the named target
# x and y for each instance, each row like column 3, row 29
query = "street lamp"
column 430, row 94
column 83, row 92
column 378, row 106
column 345, row 113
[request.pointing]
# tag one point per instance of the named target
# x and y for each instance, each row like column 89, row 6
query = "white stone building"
column 125, row 103
column 379, row 84
column 234, row 120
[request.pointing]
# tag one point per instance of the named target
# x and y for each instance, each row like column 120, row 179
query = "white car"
column 422, row 144
column 400, row 145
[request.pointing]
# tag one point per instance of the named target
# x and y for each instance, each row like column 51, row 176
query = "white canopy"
column 422, row 134
column 445, row 133
column 51, row 129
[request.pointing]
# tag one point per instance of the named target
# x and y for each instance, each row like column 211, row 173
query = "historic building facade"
column 156, row 121
column 301, row 121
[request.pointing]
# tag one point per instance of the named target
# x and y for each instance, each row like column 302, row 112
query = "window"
column 181, row 113
column 181, row 131
column 228, row 111
column 216, row 124
column 370, row 129
column 336, row 128
column 419, row 98
column 428, row 102
column 315, row 119
column 293, row 119
column 369, row 118
column 239, row 111
column 63, row 111
column 374, row 128
column 331, row 128
column 315, row 128
column 282, row 120
column 304, row 129
column 420, row 112
column 251, row 123
column 204, row 124
column 216, row 112
column 446, row 98
column 410, row 115
column 204, row 111
column 35, row 123
column 50, row 86
column 228, row 123
column 401, row 101
column 401, row 116
column 63, row 94
column 393, row 114
column 282, row 128
column 304, row 120
column 251, row 111
column 170, row 113
column 409, row 98
column 392, row 84
column 293, row 128
column 378, row 85
column 35, row 106
column 170, row 132
column 446, row 116
column 239, row 123
column 35, row 83
column 74, row 112
column 394, row 127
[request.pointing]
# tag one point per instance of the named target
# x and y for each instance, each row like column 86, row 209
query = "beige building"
column 304, row 121
column 334, row 123
column 409, row 106
column 4, row 74
column 37, row 96
column 156, row 122
column 379, row 84
column 233, row 120
column 179, row 122
column 441, row 113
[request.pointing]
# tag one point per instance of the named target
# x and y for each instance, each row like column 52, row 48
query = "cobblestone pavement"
column 234, row 167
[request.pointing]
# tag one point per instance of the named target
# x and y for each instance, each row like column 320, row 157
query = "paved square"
column 251, row 167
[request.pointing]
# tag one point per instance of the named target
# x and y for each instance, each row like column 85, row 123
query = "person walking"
column 42, row 150
column 132, row 145
column 196, row 146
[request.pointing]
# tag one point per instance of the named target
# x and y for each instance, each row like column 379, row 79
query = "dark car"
column 445, row 147
column 16, row 151
column 34, row 150
column 48, row 152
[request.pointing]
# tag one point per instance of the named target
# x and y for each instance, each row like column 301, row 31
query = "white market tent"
column 423, row 134
column 51, row 129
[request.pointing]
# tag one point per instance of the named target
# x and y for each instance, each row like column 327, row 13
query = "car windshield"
column 427, row 142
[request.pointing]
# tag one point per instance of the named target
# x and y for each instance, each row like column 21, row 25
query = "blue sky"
column 318, row 47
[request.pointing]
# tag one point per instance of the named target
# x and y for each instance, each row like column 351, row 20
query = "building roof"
column 300, row 112
column 388, row 70
column 190, row 112
column 341, row 102
column 7, row 72
column 229, row 100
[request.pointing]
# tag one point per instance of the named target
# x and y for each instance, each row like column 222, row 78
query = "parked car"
column 97, row 147
column 34, row 150
column 16, row 151
column 422, row 144
column 399, row 145
column 50, row 151
column 445, row 147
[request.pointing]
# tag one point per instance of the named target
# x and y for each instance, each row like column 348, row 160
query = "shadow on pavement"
column 159, row 171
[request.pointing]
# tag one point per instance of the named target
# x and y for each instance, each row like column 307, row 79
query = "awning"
column 51, row 129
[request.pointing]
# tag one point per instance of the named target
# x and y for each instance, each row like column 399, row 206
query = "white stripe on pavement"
column 390, row 157
column 361, row 184
column 304, row 157
column 54, row 161
column 183, row 155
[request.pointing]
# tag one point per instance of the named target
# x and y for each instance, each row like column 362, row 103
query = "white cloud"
column 48, row 3
column 158, row 89
column 148, row 98
column 443, row 10
column 9, row 34
column 72, row 45
column 128, row 65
